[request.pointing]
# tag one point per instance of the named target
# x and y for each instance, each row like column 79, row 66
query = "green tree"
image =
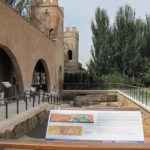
column 100, row 50
column 122, row 48
column 129, row 37
column 146, row 47
column 125, row 31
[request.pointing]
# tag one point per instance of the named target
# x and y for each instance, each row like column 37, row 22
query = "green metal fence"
column 138, row 93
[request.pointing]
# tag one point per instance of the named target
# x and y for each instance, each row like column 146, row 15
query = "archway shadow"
column 41, row 79
column 10, row 71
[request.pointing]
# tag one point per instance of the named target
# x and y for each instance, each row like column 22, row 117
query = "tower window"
column 51, row 34
column 46, row 11
column 70, row 55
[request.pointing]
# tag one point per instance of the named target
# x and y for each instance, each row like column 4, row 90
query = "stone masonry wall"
column 23, row 123
column 27, row 45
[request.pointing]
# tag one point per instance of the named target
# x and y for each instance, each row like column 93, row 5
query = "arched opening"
column 40, row 76
column 10, row 73
column 51, row 34
column 69, row 55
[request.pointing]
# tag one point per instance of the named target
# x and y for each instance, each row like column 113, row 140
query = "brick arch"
column 46, row 70
column 17, row 69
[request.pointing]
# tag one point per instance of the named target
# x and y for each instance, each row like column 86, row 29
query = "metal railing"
column 137, row 93
column 140, row 94
column 15, row 105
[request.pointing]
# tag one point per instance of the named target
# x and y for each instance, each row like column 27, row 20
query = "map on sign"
column 107, row 126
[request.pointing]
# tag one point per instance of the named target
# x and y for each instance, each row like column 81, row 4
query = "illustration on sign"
column 74, row 118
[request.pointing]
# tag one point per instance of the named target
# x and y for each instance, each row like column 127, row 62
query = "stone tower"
column 71, row 42
column 47, row 16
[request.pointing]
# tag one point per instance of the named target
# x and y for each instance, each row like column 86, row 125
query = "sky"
column 80, row 13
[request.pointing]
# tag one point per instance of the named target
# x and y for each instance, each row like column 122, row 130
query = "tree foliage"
column 123, row 47
column 101, row 37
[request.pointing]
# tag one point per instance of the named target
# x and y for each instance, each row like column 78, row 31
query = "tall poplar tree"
column 123, row 47
column 100, row 49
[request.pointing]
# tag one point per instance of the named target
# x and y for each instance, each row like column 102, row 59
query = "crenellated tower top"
column 45, row 2
column 54, row 2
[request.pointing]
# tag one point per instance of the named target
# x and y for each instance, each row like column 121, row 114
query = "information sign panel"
column 107, row 126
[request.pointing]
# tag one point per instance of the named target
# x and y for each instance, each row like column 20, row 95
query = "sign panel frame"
column 107, row 126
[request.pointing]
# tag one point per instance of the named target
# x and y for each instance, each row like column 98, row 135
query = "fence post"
column 51, row 98
column 48, row 98
column 139, row 94
column 39, row 97
column 26, row 101
column 6, row 109
column 58, row 99
column 146, row 97
column 38, row 100
column 54, row 99
column 43, row 96
column 33, row 100
column 134, row 93
column 17, row 105
column 130, row 91
column 61, row 98
column 142, row 95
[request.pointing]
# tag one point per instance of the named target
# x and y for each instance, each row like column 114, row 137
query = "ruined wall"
column 24, row 123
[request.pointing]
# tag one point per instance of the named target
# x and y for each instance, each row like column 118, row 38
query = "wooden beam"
column 71, row 146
